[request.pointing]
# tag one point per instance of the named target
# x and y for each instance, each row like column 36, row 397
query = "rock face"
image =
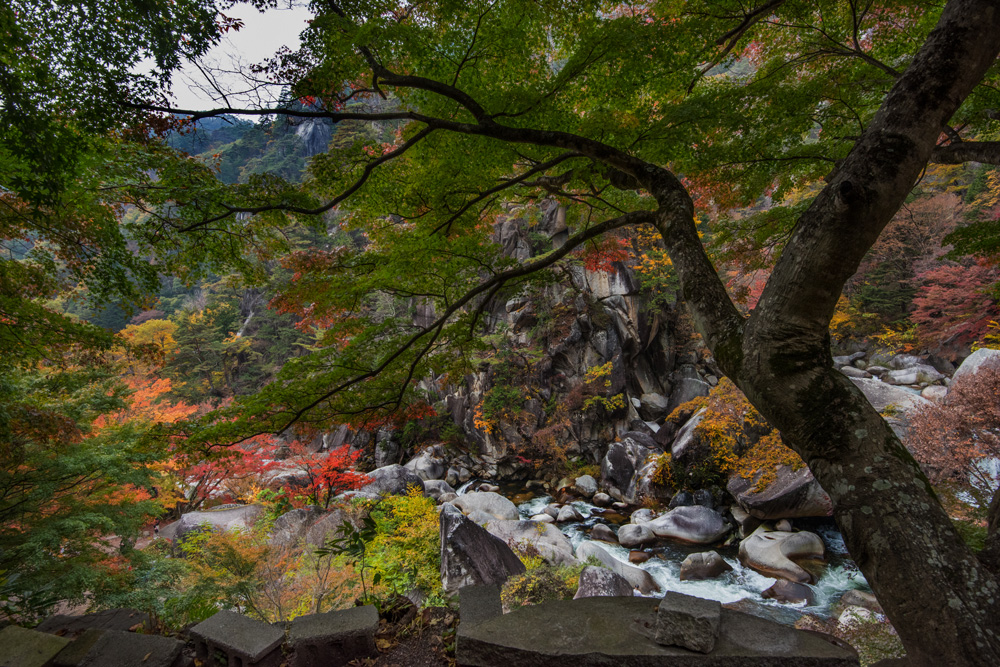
column 551, row 544
column 292, row 526
column 792, row 494
column 684, row 620
column 470, row 556
column 489, row 502
column 636, row 577
column 704, row 565
column 975, row 361
column 772, row 553
column 326, row 527
column 391, row 480
column 694, row 524
column 602, row 582
column 228, row 519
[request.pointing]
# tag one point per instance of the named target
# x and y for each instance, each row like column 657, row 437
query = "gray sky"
column 261, row 36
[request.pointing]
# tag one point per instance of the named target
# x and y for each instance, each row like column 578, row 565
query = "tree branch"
column 987, row 152
column 491, row 284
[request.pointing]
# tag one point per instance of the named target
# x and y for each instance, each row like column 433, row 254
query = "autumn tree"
column 602, row 106
column 957, row 441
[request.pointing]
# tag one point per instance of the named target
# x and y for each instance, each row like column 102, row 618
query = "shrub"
column 954, row 441
column 406, row 550
column 535, row 586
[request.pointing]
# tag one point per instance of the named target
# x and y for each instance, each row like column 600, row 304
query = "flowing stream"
column 741, row 587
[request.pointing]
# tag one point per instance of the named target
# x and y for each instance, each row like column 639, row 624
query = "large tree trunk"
column 944, row 602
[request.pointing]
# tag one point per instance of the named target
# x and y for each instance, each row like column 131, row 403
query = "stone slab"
column 603, row 631
column 335, row 638
column 479, row 603
column 125, row 620
column 688, row 621
column 128, row 649
column 239, row 635
column 20, row 647
column 77, row 650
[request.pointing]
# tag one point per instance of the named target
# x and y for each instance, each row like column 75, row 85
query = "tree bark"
column 940, row 597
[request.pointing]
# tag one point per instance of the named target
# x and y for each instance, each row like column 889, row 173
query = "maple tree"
column 853, row 96
column 954, row 305
column 957, row 441
column 602, row 106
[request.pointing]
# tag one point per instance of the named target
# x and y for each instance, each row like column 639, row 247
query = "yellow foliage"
column 725, row 428
column 991, row 339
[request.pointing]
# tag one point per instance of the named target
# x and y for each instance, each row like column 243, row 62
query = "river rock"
column 471, row 556
column 681, row 499
column 847, row 359
column 543, row 517
column 619, row 466
column 429, row 464
column 789, row 591
column 856, row 598
column 602, row 582
column 747, row 522
column 603, row 533
column 704, row 565
column 601, row 499
column 447, row 497
column 695, row 524
column 913, row 375
column 978, row 359
column 489, row 502
column 632, row 535
column 529, row 536
column 234, row 518
column 585, row 485
column 391, row 480
column 935, row 393
column 771, row 553
column 852, row 372
column 638, row 557
column 568, row 513
column 882, row 395
column 792, row 494
column 480, row 517
column 552, row 510
column 642, row 515
column 636, row 577
column 435, row 488
column 852, row 617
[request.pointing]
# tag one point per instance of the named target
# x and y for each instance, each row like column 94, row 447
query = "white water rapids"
column 743, row 583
